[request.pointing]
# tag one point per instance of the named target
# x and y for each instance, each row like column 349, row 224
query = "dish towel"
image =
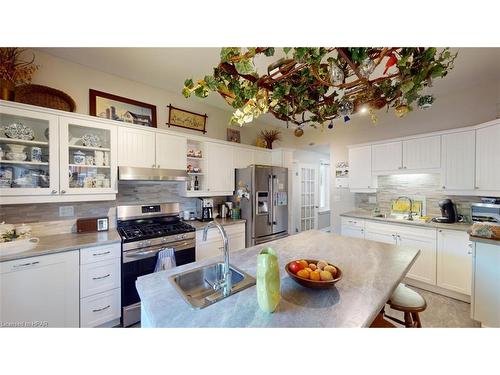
column 166, row 260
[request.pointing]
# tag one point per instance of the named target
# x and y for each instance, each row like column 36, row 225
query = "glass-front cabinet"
column 29, row 153
column 88, row 157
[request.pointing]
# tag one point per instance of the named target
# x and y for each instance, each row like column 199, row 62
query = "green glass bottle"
column 268, row 280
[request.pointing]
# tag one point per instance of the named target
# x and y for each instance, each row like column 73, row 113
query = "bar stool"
column 410, row 303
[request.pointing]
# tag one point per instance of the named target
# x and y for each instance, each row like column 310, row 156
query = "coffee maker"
column 448, row 212
column 205, row 207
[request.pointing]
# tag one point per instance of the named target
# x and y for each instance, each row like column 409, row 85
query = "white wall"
column 76, row 80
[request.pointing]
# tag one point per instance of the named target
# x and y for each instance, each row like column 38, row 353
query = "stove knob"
column 141, row 244
column 163, row 240
column 148, row 243
column 183, row 236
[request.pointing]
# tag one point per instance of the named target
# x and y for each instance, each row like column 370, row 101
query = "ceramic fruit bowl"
column 312, row 283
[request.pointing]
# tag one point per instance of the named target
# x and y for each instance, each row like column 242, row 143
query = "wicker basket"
column 44, row 96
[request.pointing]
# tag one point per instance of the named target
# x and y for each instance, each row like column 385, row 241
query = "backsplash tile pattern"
column 422, row 185
column 45, row 220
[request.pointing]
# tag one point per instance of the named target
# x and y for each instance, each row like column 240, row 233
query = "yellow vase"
column 268, row 280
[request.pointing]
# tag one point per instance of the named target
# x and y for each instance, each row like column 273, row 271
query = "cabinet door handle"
column 25, row 264
column 444, row 187
column 53, row 192
column 102, row 309
column 101, row 277
column 98, row 254
column 63, row 191
column 153, row 166
column 158, row 166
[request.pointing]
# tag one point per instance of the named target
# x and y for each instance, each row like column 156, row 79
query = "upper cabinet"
column 219, row 168
column 28, row 166
column 422, row 153
column 136, row 148
column 360, row 168
column 387, row 157
column 457, row 156
column 243, row 157
column 263, row 157
column 88, row 152
column 170, row 151
column 51, row 157
column 488, row 158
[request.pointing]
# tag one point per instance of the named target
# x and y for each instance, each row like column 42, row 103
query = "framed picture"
column 233, row 135
column 186, row 119
column 123, row 109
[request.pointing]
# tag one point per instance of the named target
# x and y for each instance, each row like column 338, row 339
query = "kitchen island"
column 371, row 272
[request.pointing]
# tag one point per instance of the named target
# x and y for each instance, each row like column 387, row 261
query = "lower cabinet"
column 100, row 285
column 351, row 227
column 40, row 291
column 454, row 261
column 213, row 246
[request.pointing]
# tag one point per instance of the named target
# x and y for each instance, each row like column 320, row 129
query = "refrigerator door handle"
column 270, row 212
column 274, row 199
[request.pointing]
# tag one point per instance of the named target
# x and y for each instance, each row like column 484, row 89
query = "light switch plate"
column 66, row 211
column 372, row 199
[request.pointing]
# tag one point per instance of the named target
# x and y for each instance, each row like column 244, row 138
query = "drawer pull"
column 98, row 254
column 26, row 264
column 101, row 277
column 102, row 309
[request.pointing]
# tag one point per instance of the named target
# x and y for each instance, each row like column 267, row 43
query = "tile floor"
column 441, row 312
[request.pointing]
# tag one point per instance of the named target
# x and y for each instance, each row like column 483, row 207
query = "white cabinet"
column 220, row 168
column 424, row 268
column 485, row 300
column 41, row 290
column 387, row 157
column 242, row 157
column 136, row 148
column 422, row 153
column 170, row 151
column 488, row 158
column 351, row 227
column 213, row 246
column 98, row 173
column 458, row 160
column 360, row 168
column 263, row 157
column 454, row 261
column 100, row 285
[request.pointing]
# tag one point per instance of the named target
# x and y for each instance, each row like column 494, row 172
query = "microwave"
column 485, row 212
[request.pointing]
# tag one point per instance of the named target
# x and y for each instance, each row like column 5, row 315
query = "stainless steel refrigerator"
column 264, row 204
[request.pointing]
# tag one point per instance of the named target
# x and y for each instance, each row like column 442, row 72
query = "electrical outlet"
column 372, row 199
column 66, row 211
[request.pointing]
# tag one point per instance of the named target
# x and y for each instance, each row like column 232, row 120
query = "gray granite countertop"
column 65, row 242
column 199, row 225
column 367, row 215
column 371, row 272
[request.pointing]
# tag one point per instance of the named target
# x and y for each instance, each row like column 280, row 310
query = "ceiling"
column 167, row 68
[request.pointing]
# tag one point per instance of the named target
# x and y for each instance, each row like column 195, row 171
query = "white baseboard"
column 437, row 289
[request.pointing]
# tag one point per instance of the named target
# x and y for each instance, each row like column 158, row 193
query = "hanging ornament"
column 336, row 74
column 401, row 110
column 366, row 67
column 330, row 125
column 425, row 101
column 345, row 109
column 298, row 132
column 373, row 116
column 392, row 60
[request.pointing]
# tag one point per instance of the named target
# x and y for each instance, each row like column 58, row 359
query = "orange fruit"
column 303, row 273
column 304, row 263
column 308, row 269
column 315, row 276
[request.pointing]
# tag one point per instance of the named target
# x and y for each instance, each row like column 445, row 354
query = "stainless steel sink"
column 198, row 286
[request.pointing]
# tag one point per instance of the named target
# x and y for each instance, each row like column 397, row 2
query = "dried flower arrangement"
column 14, row 69
column 270, row 136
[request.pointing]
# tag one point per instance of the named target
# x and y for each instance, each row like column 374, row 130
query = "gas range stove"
column 145, row 230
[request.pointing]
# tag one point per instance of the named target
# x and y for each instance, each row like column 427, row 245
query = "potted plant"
column 14, row 70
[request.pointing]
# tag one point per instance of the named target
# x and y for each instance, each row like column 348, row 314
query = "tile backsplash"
column 427, row 186
column 45, row 220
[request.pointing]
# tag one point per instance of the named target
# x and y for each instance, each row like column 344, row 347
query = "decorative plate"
column 91, row 140
column 16, row 130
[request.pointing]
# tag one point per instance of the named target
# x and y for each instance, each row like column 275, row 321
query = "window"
column 324, row 186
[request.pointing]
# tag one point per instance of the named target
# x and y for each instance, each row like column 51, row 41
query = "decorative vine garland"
column 314, row 86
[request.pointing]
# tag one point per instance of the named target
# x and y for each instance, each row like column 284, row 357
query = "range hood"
column 151, row 174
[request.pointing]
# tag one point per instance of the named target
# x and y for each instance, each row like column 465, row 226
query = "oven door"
column 136, row 263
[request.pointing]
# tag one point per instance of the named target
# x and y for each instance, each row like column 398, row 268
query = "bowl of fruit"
column 316, row 274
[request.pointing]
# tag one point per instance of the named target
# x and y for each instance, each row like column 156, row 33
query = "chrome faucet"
column 225, row 282
column 410, row 213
